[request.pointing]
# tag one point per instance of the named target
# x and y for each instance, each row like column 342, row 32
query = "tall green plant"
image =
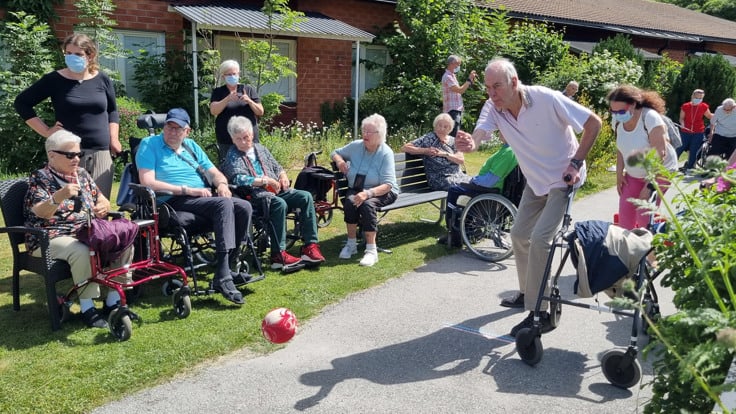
column 43, row 9
column 164, row 80
column 29, row 58
column 694, row 347
column 95, row 20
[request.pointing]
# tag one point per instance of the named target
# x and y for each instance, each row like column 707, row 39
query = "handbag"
column 108, row 238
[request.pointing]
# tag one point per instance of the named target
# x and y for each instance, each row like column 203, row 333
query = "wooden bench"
column 413, row 185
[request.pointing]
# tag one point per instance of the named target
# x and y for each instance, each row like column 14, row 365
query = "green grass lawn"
column 76, row 369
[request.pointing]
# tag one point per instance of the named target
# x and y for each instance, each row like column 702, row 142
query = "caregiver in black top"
column 83, row 98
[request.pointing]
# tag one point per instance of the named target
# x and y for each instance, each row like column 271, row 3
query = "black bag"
column 316, row 180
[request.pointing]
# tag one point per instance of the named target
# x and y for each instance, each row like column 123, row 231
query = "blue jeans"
column 691, row 142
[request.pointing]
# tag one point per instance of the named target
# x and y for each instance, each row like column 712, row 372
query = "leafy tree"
column 661, row 76
column 95, row 21
column 537, row 47
column 164, row 80
column 29, row 58
column 42, row 9
column 620, row 45
column 725, row 9
column 710, row 72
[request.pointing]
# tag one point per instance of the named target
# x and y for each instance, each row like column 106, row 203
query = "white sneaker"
column 369, row 258
column 348, row 251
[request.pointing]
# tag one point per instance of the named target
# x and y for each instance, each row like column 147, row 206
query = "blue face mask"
column 622, row 118
column 75, row 63
column 457, row 69
column 231, row 80
column 696, row 101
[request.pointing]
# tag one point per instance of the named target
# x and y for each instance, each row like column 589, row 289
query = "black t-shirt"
column 232, row 109
column 85, row 108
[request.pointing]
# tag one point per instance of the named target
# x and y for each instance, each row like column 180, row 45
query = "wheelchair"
column 485, row 220
column 185, row 238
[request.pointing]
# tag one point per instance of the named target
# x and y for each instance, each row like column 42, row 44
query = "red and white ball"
column 279, row 325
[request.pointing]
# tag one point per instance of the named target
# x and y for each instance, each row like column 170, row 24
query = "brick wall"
column 143, row 15
column 364, row 15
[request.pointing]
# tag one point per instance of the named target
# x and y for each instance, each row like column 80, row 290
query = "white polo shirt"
column 542, row 137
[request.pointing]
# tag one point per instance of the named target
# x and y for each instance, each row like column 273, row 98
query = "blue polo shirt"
column 154, row 154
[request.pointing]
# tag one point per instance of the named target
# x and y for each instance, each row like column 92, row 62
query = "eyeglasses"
column 173, row 128
column 620, row 111
column 70, row 155
column 369, row 132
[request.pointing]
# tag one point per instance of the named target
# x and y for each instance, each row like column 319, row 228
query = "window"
column 229, row 47
column 373, row 61
column 132, row 42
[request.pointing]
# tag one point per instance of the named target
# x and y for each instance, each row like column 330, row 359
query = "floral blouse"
column 441, row 172
column 70, row 215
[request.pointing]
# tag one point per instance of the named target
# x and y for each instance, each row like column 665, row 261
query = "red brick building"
column 324, row 46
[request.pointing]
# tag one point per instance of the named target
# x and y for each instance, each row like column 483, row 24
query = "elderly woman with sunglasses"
column 636, row 120
column 54, row 201
column 368, row 164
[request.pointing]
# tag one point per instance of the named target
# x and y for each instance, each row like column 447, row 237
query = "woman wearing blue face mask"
column 83, row 98
column 693, row 126
column 233, row 99
column 639, row 128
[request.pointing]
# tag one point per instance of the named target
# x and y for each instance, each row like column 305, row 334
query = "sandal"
column 228, row 291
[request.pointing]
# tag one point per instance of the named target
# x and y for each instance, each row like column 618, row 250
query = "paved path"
column 431, row 341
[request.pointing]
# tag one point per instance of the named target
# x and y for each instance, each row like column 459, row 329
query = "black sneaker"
column 515, row 302
column 529, row 321
column 93, row 319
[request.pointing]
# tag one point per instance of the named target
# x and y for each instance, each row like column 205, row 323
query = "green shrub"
column 709, row 72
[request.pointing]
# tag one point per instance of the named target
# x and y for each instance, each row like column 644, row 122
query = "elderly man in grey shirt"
column 723, row 129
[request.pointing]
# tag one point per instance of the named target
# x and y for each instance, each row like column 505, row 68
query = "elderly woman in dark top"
column 83, row 98
column 251, row 165
column 53, row 201
column 368, row 164
column 441, row 160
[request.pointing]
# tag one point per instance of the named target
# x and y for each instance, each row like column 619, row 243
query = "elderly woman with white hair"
column 723, row 130
column 56, row 194
column 368, row 164
column 441, row 160
column 233, row 99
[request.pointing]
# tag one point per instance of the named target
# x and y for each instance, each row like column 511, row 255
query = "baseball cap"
column 178, row 115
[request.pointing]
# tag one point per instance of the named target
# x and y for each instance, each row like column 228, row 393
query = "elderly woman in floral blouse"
column 441, row 160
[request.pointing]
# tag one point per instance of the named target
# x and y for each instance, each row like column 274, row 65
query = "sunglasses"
column 70, row 155
column 620, row 111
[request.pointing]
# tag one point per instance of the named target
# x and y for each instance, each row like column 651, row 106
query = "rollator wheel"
column 182, row 303
column 529, row 346
column 618, row 372
column 170, row 286
column 555, row 311
column 324, row 218
column 120, row 325
column 65, row 312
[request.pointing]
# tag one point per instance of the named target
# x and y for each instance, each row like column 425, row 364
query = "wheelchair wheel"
column 120, row 325
column 485, row 226
column 203, row 249
column 555, row 309
column 293, row 231
column 619, row 371
column 324, row 213
column 182, row 303
column 529, row 346
column 702, row 155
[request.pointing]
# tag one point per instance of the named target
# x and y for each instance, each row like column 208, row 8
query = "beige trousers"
column 535, row 226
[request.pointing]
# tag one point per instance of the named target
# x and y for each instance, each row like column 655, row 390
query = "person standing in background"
column 723, row 130
column 571, row 89
column 233, row 99
column 693, row 127
column 83, row 98
column 452, row 91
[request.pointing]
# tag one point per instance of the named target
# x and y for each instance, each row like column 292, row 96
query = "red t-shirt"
column 694, row 117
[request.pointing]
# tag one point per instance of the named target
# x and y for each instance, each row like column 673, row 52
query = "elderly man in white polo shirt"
column 539, row 124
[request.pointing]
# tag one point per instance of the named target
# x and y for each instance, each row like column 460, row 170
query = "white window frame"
column 121, row 62
column 363, row 76
column 290, row 95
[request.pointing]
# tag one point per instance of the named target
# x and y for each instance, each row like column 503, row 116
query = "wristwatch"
column 52, row 202
column 577, row 164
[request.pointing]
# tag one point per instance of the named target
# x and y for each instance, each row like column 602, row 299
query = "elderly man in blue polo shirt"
column 172, row 162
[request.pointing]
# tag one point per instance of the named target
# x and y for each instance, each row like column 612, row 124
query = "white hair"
column 379, row 122
column 59, row 138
